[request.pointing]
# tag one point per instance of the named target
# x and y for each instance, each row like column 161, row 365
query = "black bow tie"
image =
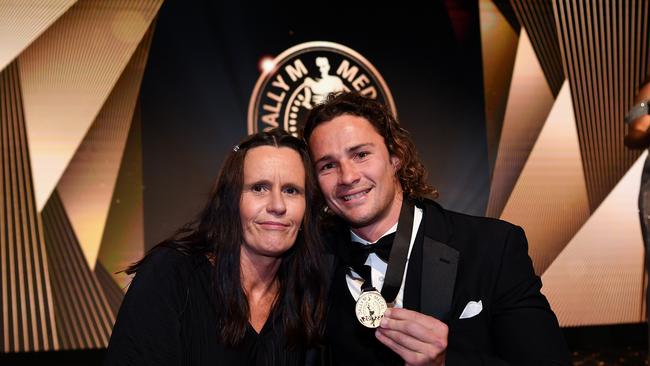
column 359, row 252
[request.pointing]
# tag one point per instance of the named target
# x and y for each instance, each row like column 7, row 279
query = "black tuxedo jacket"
column 466, row 258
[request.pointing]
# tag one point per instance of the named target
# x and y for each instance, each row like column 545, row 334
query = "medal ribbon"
column 397, row 258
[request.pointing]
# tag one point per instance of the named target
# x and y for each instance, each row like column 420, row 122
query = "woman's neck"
column 259, row 282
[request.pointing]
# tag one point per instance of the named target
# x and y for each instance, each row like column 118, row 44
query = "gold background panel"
column 87, row 185
column 598, row 277
column 21, row 22
column 123, row 238
column 68, row 73
column 605, row 53
column 529, row 102
column 539, row 21
column 498, row 51
column 27, row 320
column 84, row 317
column 550, row 198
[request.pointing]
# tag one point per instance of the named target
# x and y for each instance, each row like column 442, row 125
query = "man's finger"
column 409, row 356
column 405, row 314
column 431, row 331
column 429, row 356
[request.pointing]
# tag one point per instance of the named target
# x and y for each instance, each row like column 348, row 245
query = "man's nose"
column 348, row 173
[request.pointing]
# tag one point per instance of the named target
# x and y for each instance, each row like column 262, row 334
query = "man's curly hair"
column 411, row 173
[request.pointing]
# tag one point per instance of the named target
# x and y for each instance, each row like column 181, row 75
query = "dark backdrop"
column 203, row 65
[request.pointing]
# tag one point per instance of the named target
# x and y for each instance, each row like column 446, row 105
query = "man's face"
column 357, row 174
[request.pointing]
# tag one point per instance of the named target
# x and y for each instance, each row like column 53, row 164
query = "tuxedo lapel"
column 439, row 264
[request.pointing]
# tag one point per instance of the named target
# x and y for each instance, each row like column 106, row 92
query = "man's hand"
column 419, row 339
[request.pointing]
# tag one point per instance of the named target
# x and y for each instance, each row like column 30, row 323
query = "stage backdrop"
column 116, row 115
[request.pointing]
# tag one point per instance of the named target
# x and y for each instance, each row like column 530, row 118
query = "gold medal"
column 370, row 308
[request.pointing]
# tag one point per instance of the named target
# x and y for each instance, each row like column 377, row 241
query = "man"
column 638, row 137
column 465, row 293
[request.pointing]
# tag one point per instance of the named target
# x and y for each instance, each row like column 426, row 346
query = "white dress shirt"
column 378, row 266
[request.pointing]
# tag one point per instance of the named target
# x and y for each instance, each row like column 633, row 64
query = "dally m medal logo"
column 302, row 77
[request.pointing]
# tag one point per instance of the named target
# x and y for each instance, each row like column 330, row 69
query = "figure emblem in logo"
column 303, row 76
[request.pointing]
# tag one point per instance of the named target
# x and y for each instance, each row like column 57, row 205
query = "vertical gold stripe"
column 630, row 60
column 28, row 216
column 638, row 76
column 10, row 227
column 80, row 291
column 535, row 21
column 608, row 61
column 618, row 23
column 62, row 319
column 558, row 14
column 610, row 150
column 545, row 44
column 3, row 218
column 34, row 280
column 646, row 30
column 65, row 295
column 589, row 129
column 539, row 39
column 12, row 241
column 596, row 63
column 620, row 37
column 69, row 339
column 48, row 287
column 625, row 66
column 620, row 64
column 101, row 309
column 66, row 267
column 634, row 44
column 536, row 17
column 97, row 298
column 20, row 218
column 595, row 77
column 114, row 293
column 78, row 265
column 581, row 104
column 576, row 87
column 604, row 66
column 555, row 46
column 67, row 302
column 70, row 246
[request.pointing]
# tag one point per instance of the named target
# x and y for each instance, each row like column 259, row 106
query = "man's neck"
column 376, row 230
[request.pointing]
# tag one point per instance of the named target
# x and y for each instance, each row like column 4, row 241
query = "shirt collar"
column 358, row 239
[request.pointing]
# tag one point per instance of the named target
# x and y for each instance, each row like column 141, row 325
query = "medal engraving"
column 370, row 308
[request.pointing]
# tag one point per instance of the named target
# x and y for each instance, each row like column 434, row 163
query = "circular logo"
column 370, row 308
column 302, row 77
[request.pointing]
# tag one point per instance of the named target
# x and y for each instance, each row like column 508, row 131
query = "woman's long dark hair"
column 217, row 231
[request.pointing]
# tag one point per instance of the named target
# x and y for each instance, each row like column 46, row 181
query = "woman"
column 242, row 284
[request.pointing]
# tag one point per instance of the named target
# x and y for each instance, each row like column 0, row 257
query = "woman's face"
column 272, row 203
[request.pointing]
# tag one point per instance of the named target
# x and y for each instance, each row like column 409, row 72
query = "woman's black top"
column 168, row 318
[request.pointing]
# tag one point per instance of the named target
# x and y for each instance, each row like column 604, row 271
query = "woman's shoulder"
column 148, row 324
column 168, row 266
column 166, row 255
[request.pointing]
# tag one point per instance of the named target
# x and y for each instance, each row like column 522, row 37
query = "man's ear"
column 394, row 160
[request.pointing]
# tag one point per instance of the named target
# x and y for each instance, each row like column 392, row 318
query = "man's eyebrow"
column 323, row 158
column 359, row 147
column 348, row 150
